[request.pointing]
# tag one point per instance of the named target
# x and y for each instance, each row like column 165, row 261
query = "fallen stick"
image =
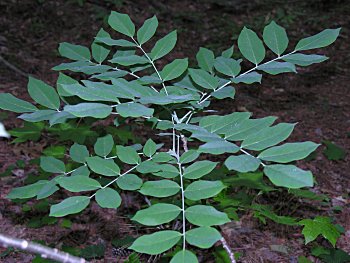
column 14, row 68
column 43, row 251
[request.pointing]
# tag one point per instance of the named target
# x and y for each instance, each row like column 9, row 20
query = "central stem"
column 183, row 207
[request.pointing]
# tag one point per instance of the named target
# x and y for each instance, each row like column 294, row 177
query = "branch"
column 14, row 68
column 222, row 240
column 228, row 250
column 45, row 252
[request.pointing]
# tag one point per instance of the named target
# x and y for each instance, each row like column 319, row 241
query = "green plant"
column 173, row 100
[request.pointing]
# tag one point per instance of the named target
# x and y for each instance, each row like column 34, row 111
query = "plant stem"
column 183, row 208
column 116, row 179
column 135, row 76
column 152, row 63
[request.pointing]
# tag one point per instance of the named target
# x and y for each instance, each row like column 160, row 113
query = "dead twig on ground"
column 12, row 67
column 45, row 252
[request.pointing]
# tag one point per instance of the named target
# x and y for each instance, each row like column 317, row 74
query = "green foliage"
column 319, row 226
column 333, row 151
column 121, row 83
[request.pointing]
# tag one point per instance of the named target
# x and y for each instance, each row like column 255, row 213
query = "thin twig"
column 43, row 251
column 14, row 68
column 228, row 250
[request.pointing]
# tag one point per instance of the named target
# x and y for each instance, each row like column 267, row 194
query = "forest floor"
column 317, row 98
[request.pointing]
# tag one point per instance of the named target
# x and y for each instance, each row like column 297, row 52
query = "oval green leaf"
column 156, row 243
column 129, row 182
column 104, row 145
column 203, row 189
column 108, row 198
column 242, row 163
column 78, row 183
column 11, row 103
column 203, row 215
column 322, row 39
column 268, row 137
column 288, row 152
column 52, row 165
column 161, row 188
column 95, row 110
column 288, row 176
column 275, row 37
column 164, row 46
column 43, row 94
column 147, row 30
column 78, row 153
column 184, row 256
column 121, row 23
column 71, row 205
column 250, row 45
column 157, row 214
column 199, row 169
column 203, row 237
column 103, row 166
